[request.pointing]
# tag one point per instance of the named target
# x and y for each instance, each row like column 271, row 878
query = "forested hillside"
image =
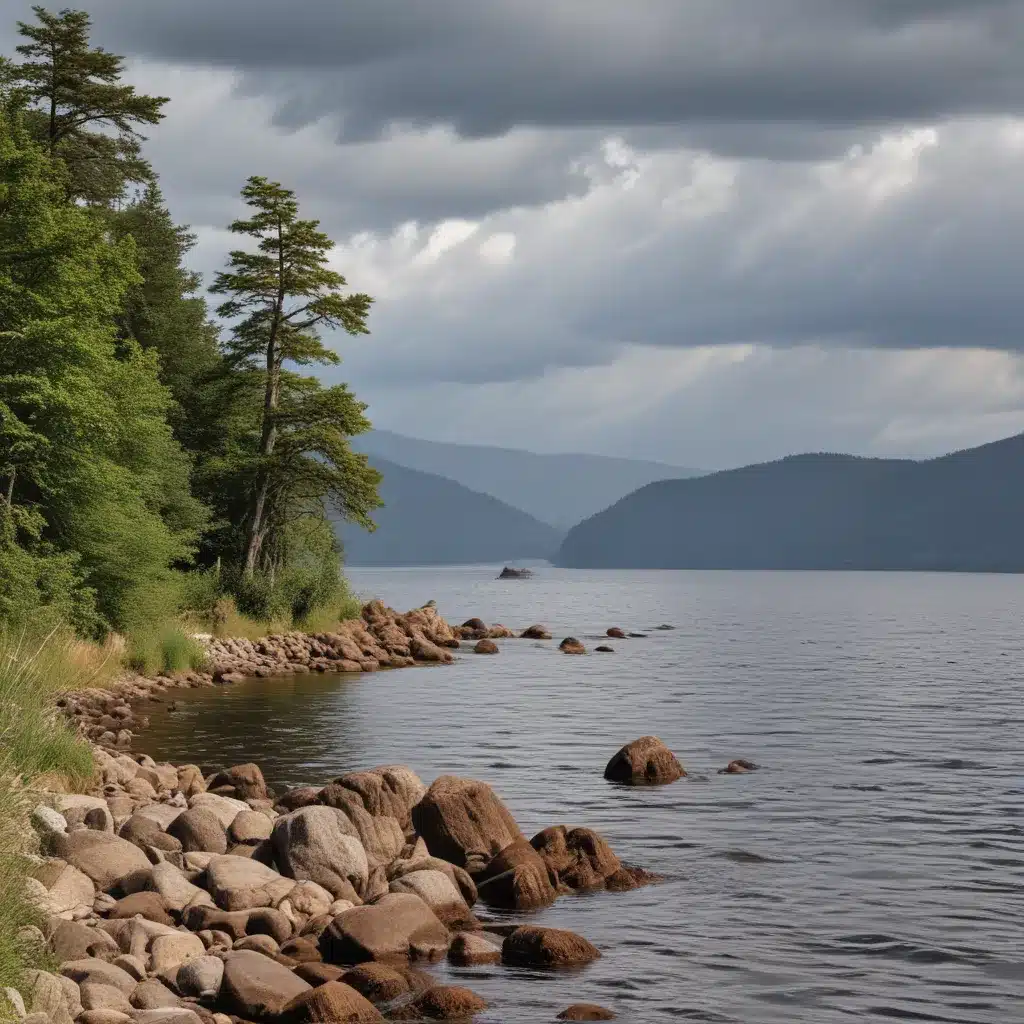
column 156, row 456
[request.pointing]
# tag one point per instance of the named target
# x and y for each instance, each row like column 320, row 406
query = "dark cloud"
column 484, row 68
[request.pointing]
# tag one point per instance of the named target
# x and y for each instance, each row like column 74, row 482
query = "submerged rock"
column 738, row 767
column 531, row 946
column 646, row 761
column 570, row 645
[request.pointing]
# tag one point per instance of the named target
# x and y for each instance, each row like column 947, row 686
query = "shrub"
column 170, row 650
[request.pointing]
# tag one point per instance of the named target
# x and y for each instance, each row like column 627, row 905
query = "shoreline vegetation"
column 139, row 891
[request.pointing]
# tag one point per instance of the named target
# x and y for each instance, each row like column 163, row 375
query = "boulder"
column 330, row 1003
column 66, row 887
column 46, row 821
column 464, row 822
column 245, row 779
column 153, row 994
column 307, row 899
column 177, row 891
column 469, row 948
column 97, row 996
column 604, row 649
column 250, row 827
column 535, row 632
column 169, row 951
column 293, row 799
column 499, row 632
column 439, row 893
column 381, row 835
column 388, row 791
column 531, row 946
column 103, row 1017
column 443, row 1002
column 237, row 883
column 485, row 647
column 616, row 633
column 318, row 973
column 170, row 1015
column 72, row 940
column 517, row 879
column 459, row 877
column 320, row 844
column 45, row 993
column 257, row 988
column 224, row 808
column 580, row 858
column 738, row 767
column 236, row 924
column 107, row 859
column 98, row 972
column 397, row 926
column 586, row 1011
column 646, row 761
column 133, row 965
column 570, row 645
column 302, row 949
column 382, row 983
column 200, row 978
column 199, row 830
column 162, row 814
column 151, row 905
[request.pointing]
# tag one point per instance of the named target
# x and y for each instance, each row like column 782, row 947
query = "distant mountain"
column 963, row 511
column 557, row 489
column 430, row 520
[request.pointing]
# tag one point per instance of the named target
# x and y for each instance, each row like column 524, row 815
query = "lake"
column 874, row 867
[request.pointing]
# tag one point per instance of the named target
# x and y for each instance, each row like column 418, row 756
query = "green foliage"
column 168, row 650
column 75, row 90
column 281, row 297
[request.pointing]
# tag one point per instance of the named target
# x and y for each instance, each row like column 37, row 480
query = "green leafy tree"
column 282, row 295
column 81, row 111
column 95, row 488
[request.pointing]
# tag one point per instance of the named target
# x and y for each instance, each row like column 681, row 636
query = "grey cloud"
column 486, row 68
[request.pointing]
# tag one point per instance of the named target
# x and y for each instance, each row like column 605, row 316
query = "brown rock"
column 107, row 859
column 256, row 987
column 464, row 822
column 199, row 830
column 443, row 1002
column 586, row 1011
column 486, row 647
column 317, row 973
column 151, row 905
column 245, row 779
column 439, row 892
column 330, row 1003
column 301, row 796
column 397, row 926
column 72, row 940
column 98, row 972
column 517, row 879
column 604, row 649
column 616, row 633
column 381, row 835
column 499, row 632
column 97, row 996
column 535, row 632
column 580, row 858
column 302, row 949
column 474, row 624
column 250, row 827
column 237, row 883
column 570, row 645
column 388, row 791
column 531, row 946
column 153, row 994
column 470, row 948
column 239, row 923
column 320, row 844
column 646, row 761
column 381, row 983
column 738, row 767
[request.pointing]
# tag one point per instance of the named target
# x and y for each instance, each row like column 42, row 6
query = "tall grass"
column 170, row 649
column 34, row 742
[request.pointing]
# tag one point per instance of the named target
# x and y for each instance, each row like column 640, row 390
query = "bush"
column 170, row 650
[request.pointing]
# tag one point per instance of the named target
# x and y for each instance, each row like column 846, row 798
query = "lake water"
column 873, row 869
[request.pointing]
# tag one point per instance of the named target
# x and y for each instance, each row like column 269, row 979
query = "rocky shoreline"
column 170, row 896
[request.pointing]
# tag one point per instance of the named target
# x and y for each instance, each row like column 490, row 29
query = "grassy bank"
column 35, row 745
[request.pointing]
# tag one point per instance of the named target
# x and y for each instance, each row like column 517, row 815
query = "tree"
column 282, row 296
column 96, row 496
column 163, row 313
column 76, row 90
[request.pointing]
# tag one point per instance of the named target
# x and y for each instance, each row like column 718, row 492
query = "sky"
column 708, row 232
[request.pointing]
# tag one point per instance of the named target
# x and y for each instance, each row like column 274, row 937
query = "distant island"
column 961, row 512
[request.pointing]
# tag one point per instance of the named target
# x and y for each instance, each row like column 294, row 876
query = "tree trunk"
column 271, row 397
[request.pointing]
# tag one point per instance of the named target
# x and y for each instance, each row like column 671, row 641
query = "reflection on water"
column 873, row 869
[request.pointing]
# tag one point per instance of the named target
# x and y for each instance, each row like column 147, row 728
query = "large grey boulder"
column 238, row 883
column 439, row 893
column 320, row 844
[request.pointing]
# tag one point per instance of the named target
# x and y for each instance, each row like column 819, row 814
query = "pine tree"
column 76, row 90
column 282, row 296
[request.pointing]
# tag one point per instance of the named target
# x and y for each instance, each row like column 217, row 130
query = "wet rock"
column 470, row 948
column 517, row 879
column 616, row 633
column 582, row 860
column 330, row 1003
column 646, row 761
column 320, row 844
column 442, row 1002
column 485, row 647
column 476, row 625
column 398, row 925
column 604, row 649
column 535, row 632
column 586, row 1011
column 237, row 883
column 509, row 573
column 256, row 988
column 738, row 767
column 199, row 831
column 107, row 859
column 464, row 822
column 531, row 946
column 570, row 645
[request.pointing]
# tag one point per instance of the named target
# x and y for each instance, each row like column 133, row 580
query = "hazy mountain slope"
column 430, row 520
column 959, row 512
column 557, row 489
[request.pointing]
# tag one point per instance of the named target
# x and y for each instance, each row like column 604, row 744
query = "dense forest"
column 157, row 457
